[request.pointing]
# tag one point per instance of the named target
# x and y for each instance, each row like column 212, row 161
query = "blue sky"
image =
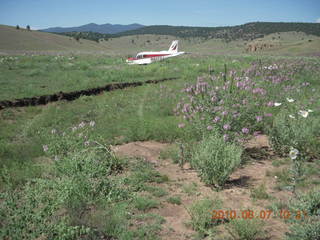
column 52, row 13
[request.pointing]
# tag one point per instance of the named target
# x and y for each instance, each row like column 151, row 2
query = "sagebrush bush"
column 245, row 229
column 310, row 203
column 305, row 231
column 308, row 207
column 215, row 159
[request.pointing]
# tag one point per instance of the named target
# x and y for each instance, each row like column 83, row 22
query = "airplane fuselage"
column 150, row 57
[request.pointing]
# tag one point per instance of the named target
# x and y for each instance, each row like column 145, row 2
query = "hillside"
column 14, row 40
column 247, row 31
column 92, row 27
column 21, row 41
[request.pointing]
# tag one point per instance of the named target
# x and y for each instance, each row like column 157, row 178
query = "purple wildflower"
column 259, row 118
column 226, row 126
column 216, row 119
column 245, row 130
column 270, row 104
column 209, row 128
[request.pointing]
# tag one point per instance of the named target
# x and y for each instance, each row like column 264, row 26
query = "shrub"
column 307, row 206
column 305, row 231
column 50, row 207
column 245, row 229
column 216, row 159
column 201, row 217
column 310, row 203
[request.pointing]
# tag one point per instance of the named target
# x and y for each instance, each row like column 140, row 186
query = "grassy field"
column 58, row 167
column 34, row 76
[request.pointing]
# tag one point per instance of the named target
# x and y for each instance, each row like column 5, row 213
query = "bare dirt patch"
column 185, row 183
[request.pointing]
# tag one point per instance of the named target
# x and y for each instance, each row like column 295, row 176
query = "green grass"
column 144, row 203
column 260, row 192
column 174, row 200
column 156, row 191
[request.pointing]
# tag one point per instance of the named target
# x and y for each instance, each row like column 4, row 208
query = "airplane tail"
column 174, row 46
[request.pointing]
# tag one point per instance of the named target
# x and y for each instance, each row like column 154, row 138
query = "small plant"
column 201, row 217
column 144, row 203
column 190, row 188
column 216, row 159
column 297, row 167
column 260, row 192
column 245, row 229
column 156, row 191
column 174, row 200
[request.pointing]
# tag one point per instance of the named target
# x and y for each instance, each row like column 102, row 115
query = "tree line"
column 248, row 31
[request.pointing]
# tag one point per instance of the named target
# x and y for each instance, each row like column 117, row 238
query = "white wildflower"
column 291, row 116
column 277, row 104
column 53, row 131
column 81, row 125
column 293, row 154
column 309, row 110
column 45, row 148
column 92, row 123
column 290, row 100
column 303, row 113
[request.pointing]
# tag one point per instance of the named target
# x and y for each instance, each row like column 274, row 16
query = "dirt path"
column 184, row 182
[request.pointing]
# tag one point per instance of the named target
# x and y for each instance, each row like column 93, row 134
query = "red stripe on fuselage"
column 149, row 56
column 154, row 55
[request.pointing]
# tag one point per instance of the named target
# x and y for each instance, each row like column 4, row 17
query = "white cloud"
column 318, row 20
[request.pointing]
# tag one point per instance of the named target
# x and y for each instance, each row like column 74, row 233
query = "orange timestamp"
column 261, row 214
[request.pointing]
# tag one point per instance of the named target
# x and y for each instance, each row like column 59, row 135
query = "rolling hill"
column 92, row 27
column 248, row 31
column 14, row 40
column 297, row 43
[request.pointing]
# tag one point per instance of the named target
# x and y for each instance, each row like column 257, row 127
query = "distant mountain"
column 248, row 31
column 92, row 27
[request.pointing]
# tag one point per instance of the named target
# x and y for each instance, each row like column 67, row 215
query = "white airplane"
column 150, row 57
